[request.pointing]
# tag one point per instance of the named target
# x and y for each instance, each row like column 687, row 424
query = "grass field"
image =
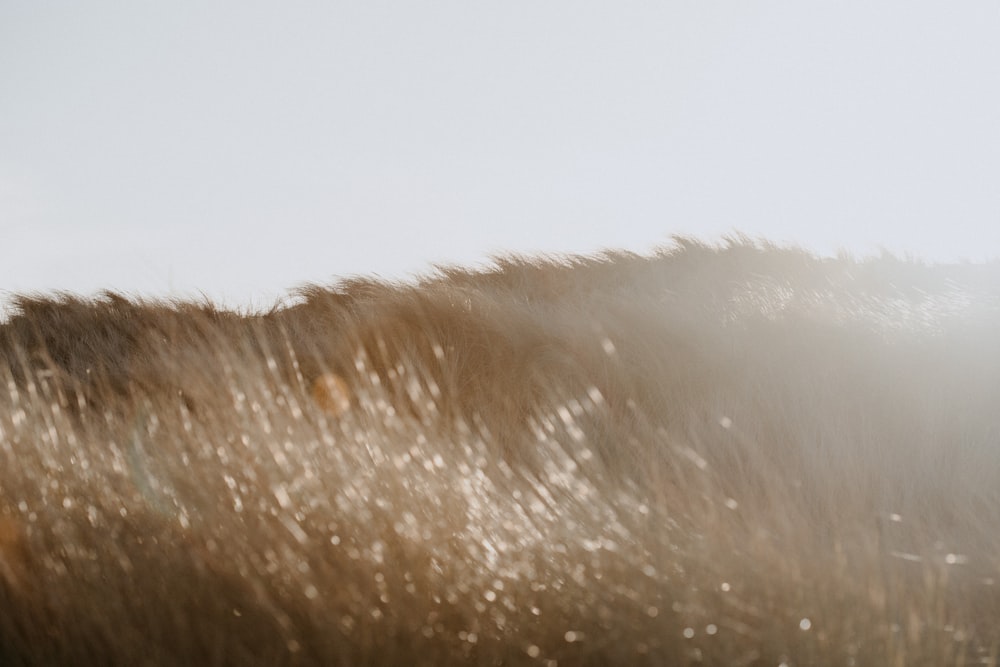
column 720, row 455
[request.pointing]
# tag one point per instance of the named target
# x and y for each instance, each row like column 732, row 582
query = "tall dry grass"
column 734, row 455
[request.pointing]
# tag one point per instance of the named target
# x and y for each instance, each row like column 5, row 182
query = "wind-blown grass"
column 736, row 455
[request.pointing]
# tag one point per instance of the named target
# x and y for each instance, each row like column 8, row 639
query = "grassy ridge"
column 718, row 455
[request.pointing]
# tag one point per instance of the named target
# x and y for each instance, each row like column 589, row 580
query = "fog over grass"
column 733, row 455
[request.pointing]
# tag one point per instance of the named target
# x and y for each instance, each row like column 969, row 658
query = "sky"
column 238, row 150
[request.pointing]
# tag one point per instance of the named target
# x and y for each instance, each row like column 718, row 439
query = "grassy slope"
column 733, row 455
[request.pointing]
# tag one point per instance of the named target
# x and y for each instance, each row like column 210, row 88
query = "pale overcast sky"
column 240, row 149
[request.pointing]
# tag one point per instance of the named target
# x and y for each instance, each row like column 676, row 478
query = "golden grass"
column 736, row 455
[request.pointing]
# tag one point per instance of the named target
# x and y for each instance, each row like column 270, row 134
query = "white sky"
column 240, row 149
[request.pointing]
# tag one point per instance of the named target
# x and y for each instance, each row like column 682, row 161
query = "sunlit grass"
column 624, row 461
